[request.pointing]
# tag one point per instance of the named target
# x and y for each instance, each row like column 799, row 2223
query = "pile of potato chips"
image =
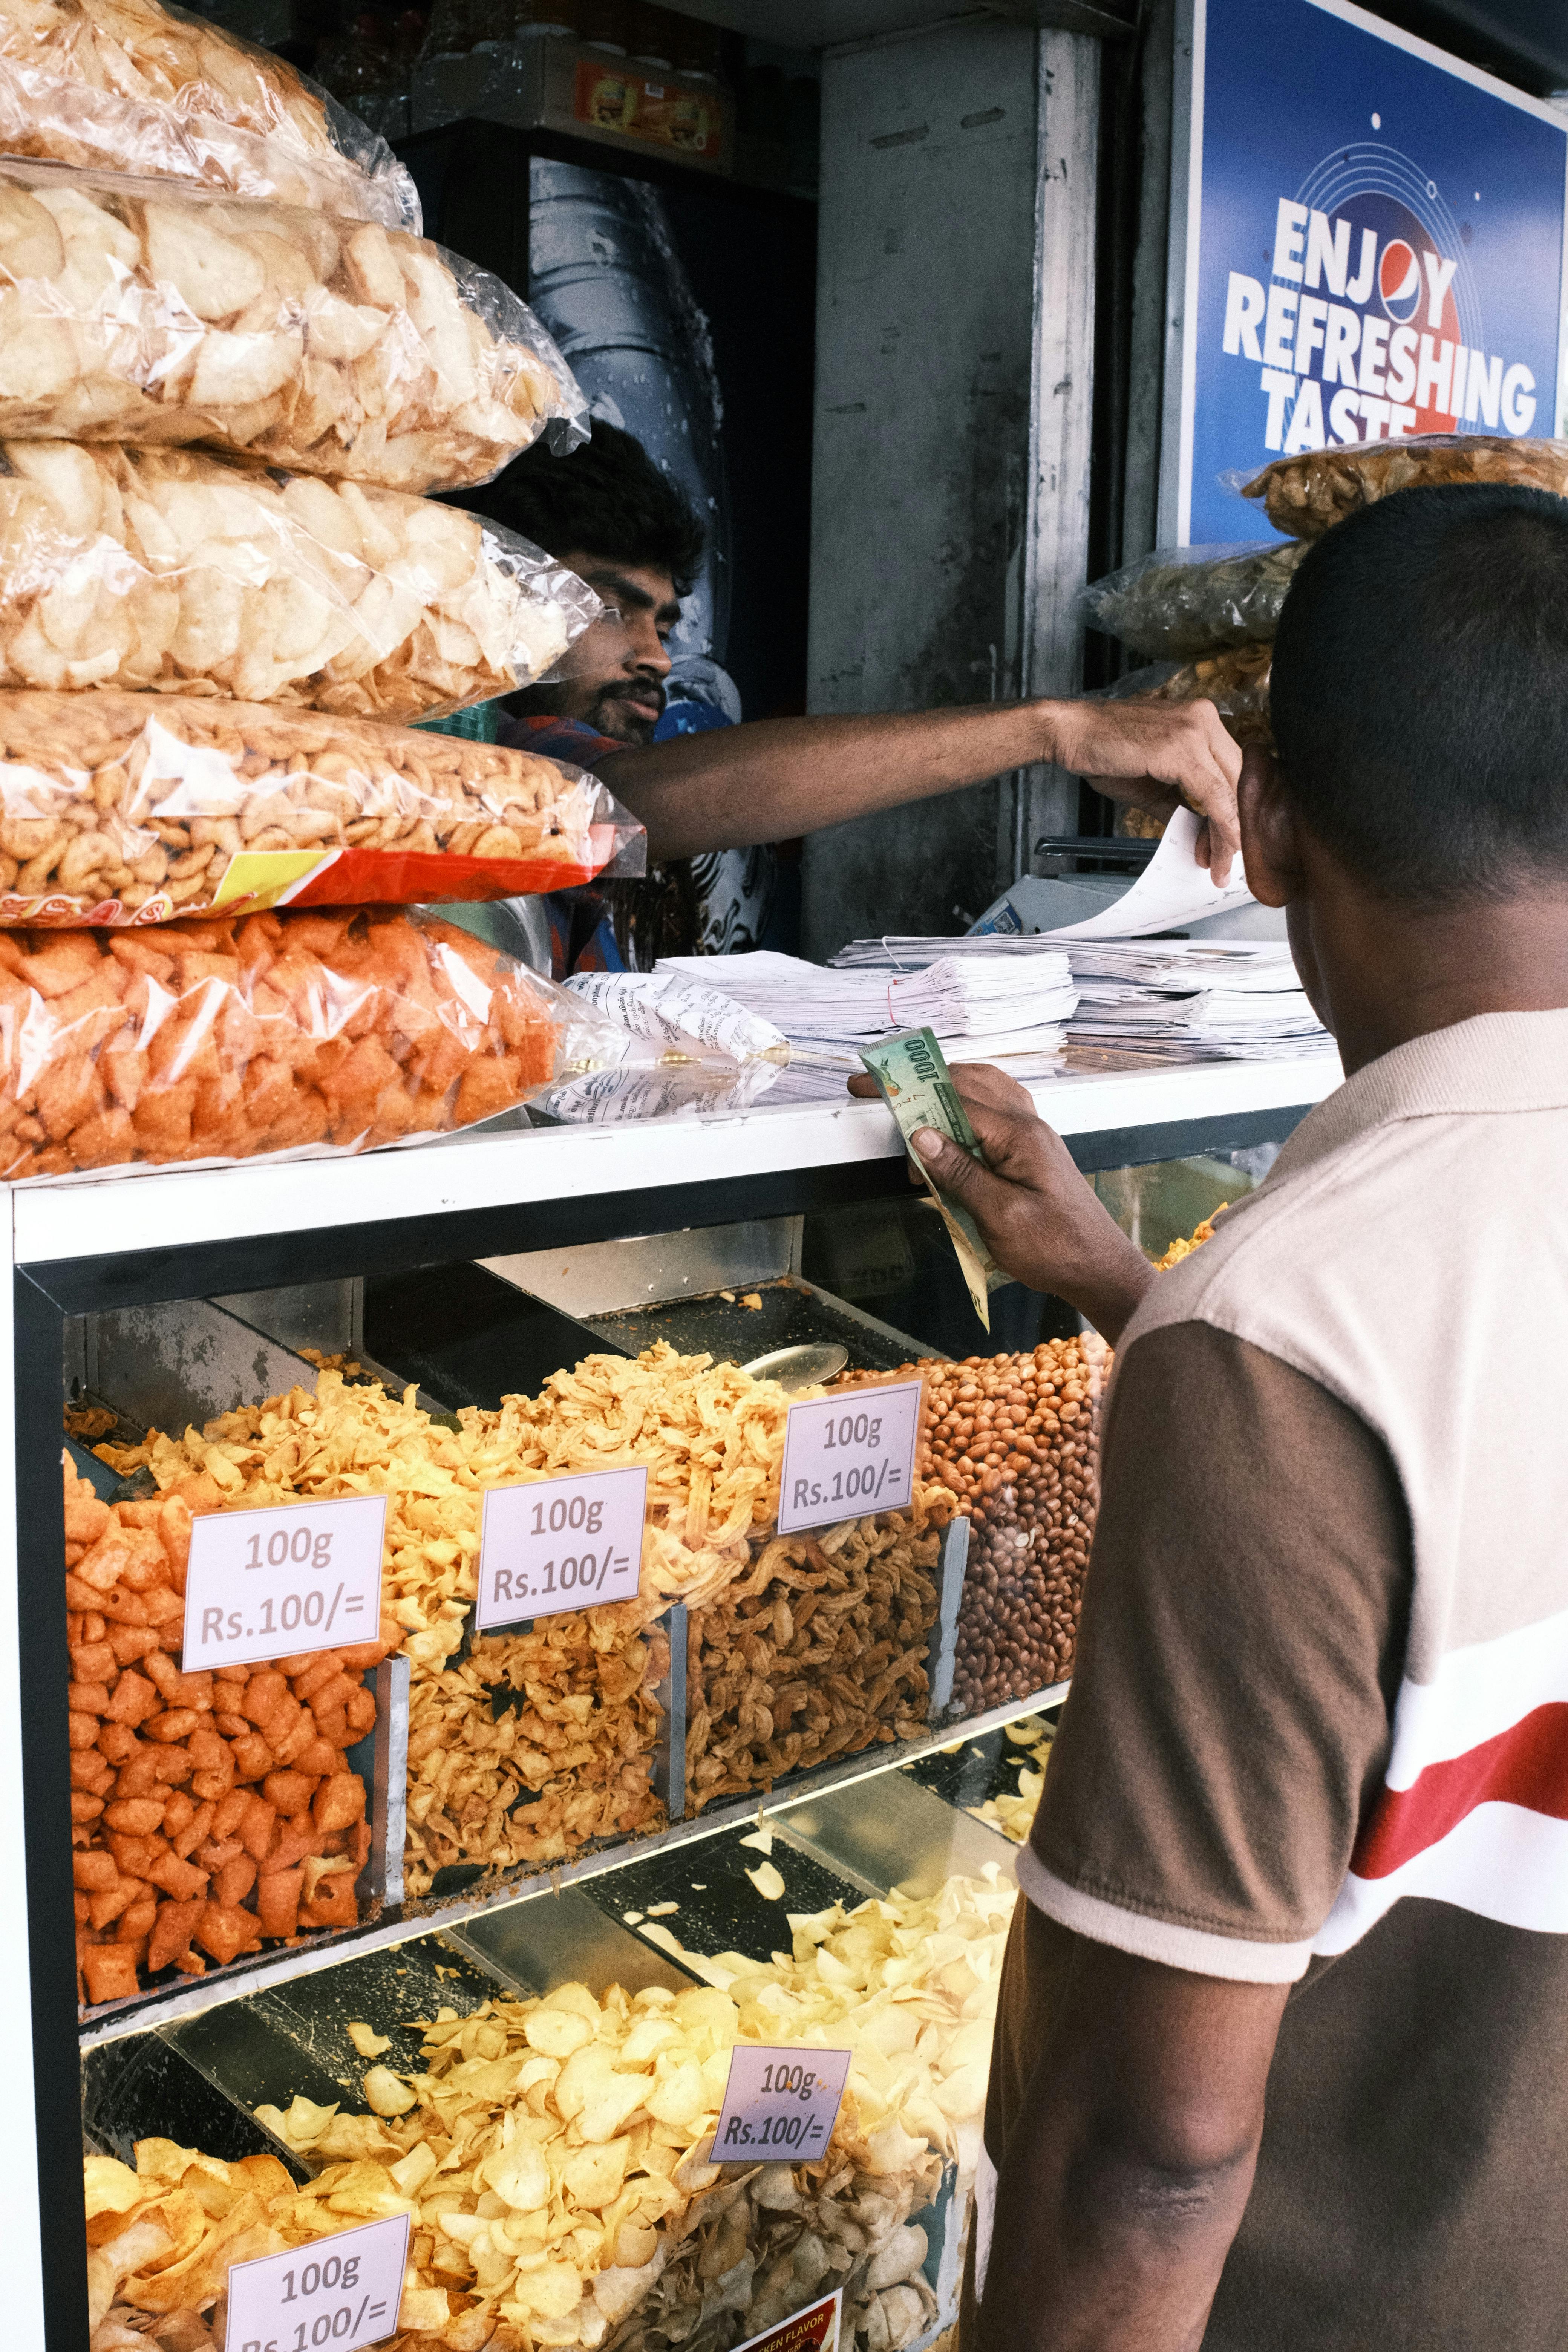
column 1014, row 1815
column 552, row 2156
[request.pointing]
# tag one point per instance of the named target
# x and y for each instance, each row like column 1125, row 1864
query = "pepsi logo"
column 1399, row 281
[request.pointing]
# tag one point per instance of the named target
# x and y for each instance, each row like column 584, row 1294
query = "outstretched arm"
column 776, row 778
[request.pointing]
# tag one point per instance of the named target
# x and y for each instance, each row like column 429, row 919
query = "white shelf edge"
column 120, row 1212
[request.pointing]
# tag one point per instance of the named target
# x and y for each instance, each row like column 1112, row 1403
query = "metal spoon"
column 802, row 1367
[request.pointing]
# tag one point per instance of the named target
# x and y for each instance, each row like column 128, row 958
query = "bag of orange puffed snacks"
column 296, row 1032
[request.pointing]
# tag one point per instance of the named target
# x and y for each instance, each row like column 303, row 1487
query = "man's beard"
column 595, row 704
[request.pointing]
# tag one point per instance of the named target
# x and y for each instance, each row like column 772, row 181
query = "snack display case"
column 471, row 1269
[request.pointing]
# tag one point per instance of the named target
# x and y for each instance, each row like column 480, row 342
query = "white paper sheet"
column 1173, row 889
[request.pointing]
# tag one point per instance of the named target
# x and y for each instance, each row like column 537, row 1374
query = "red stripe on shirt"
column 1525, row 1765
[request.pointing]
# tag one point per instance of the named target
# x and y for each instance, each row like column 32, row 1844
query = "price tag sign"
column 848, row 1454
column 780, row 2105
column 264, row 1584
column 815, row 2329
column 340, row 2292
column 560, row 1543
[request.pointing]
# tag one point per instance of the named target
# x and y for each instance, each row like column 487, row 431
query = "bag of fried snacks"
column 1307, row 495
column 209, row 1811
column 138, row 312
column 1182, row 601
column 128, row 85
column 296, row 1033
column 127, row 808
column 190, row 574
column 1235, row 679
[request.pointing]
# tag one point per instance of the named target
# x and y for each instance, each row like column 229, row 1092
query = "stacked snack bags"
column 229, row 369
column 1213, row 611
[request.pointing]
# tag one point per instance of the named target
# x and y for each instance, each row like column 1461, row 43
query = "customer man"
column 1281, row 2058
column 611, row 516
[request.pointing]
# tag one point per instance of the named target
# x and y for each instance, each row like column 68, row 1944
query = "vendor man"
column 612, row 517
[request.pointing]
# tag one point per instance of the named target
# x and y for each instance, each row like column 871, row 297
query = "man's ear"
column 1269, row 850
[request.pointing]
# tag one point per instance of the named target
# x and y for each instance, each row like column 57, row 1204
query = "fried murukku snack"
column 128, row 85
column 116, row 809
column 181, row 574
column 135, row 312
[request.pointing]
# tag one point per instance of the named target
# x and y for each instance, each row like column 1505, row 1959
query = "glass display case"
column 363, row 1904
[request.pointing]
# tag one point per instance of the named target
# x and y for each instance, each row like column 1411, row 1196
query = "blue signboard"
column 1372, row 240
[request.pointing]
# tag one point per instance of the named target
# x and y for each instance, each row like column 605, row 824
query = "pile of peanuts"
column 1016, row 1439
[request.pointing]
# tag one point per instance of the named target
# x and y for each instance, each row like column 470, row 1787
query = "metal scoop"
column 804, row 1367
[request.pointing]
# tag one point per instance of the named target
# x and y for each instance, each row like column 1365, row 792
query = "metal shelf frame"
column 78, row 1247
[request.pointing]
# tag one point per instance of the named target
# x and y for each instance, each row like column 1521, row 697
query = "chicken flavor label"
column 815, row 2329
column 338, row 2293
column 779, row 2104
column 845, row 1455
column 560, row 1543
column 265, row 1584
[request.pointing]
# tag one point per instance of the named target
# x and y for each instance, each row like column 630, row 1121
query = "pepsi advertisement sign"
column 1373, row 246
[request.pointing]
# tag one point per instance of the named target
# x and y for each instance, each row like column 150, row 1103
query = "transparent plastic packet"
column 278, row 1035
column 1182, row 601
column 126, row 809
column 170, row 571
column 682, row 1020
column 1235, row 679
column 1306, row 495
column 129, row 86
column 136, row 312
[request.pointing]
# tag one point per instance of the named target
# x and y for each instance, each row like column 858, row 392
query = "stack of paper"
column 1002, row 1004
column 1231, row 1000
column 896, row 953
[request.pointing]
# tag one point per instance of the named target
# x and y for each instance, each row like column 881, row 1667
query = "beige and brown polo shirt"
column 1319, row 1729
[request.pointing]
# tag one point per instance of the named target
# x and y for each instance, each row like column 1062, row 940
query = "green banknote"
column 917, row 1087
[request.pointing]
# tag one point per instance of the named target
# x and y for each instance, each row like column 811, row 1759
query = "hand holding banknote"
column 1038, row 1219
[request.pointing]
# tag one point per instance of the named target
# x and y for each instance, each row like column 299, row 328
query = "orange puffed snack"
column 210, row 1812
column 296, row 1031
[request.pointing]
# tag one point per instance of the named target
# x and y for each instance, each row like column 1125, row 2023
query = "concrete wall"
column 921, row 465
column 951, row 468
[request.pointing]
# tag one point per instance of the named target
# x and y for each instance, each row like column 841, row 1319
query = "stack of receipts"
column 1006, row 1004
column 1230, row 1000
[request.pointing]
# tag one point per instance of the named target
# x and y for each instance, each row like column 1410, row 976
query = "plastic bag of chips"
column 133, row 312
column 190, row 574
column 128, row 85
column 1309, row 494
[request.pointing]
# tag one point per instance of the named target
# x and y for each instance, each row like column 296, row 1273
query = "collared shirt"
column 1318, row 1733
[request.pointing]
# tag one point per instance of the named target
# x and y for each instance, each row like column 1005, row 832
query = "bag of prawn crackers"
column 297, row 1034
column 126, row 809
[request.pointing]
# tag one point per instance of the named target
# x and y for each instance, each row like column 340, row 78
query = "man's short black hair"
column 608, row 498
column 1420, row 690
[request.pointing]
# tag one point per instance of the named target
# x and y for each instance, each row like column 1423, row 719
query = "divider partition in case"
column 467, row 1267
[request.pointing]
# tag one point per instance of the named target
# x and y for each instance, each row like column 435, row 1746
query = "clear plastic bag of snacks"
column 168, row 570
column 1182, row 601
column 128, row 85
column 123, row 809
column 166, row 316
column 296, row 1033
column 1309, row 494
